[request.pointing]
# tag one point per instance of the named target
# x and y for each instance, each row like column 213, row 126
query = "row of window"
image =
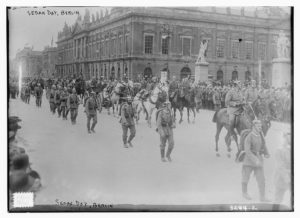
column 220, row 47
column 115, row 47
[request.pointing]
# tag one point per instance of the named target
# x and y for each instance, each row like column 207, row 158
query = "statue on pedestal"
column 282, row 46
column 203, row 47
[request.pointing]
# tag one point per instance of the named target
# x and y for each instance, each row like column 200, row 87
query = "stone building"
column 30, row 62
column 49, row 61
column 142, row 41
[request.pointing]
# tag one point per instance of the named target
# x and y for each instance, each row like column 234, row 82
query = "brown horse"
column 180, row 100
column 244, row 121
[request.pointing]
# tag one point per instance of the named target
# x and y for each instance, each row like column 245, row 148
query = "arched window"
column 220, row 75
column 234, row 75
column 248, row 75
column 148, row 73
column 185, row 72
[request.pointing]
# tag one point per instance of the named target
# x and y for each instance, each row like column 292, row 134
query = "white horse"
column 150, row 103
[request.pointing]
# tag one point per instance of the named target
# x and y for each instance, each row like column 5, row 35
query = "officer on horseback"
column 165, row 123
column 127, row 114
column 233, row 102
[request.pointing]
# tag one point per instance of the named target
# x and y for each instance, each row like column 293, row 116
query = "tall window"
column 107, row 48
column 127, row 43
column 165, row 45
column 235, row 49
column 120, row 45
column 261, row 51
column 220, row 48
column 148, row 44
column 186, row 46
column 249, row 50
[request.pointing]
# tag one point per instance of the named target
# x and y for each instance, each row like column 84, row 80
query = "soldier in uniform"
column 72, row 103
column 52, row 99
column 217, row 98
column 233, row 101
column 27, row 94
column 255, row 148
column 128, row 113
column 57, row 100
column 165, row 123
column 63, row 104
column 91, row 107
column 251, row 93
column 38, row 95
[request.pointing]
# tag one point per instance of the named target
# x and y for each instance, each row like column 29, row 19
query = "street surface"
column 75, row 165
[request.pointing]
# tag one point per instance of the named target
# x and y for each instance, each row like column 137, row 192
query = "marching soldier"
column 255, row 148
column 63, row 104
column 57, row 100
column 73, row 103
column 251, row 93
column 27, row 94
column 165, row 123
column 38, row 95
column 52, row 99
column 127, row 120
column 91, row 107
column 217, row 98
column 233, row 101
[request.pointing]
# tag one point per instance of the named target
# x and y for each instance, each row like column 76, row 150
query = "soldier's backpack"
column 121, row 106
column 241, row 152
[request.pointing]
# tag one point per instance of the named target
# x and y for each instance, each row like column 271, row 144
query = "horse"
column 157, row 96
column 80, row 87
column 258, row 109
column 180, row 100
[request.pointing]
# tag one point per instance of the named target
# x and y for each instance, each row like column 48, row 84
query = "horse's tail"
column 215, row 116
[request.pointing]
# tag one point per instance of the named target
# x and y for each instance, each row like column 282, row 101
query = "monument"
column 281, row 66
column 201, row 68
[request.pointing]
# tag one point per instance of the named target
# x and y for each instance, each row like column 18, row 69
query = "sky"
column 38, row 30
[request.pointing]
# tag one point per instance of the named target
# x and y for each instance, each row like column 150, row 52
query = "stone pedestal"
column 281, row 72
column 201, row 72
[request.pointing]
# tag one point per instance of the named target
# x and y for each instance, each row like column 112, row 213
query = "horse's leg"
column 228, row 142
column 188, row 113
column 194, row 113
column 181, row 113
column 236, row 140
column 219, row 128
column 150, row 117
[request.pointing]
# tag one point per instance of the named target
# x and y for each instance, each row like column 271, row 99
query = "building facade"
column 142, row 42
column 29, row 61
column 49, row 56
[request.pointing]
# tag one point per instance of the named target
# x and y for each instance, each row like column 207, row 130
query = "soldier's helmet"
column 93, row 93
column 53, row 87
